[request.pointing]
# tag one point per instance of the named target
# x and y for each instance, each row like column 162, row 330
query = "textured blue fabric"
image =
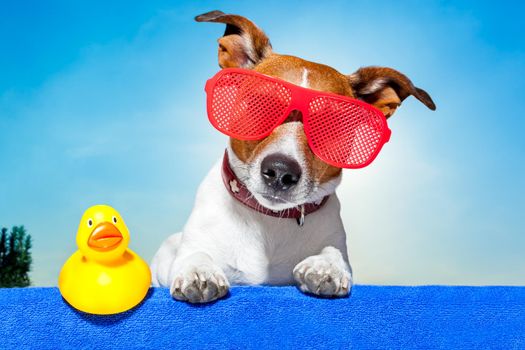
column 276, row 317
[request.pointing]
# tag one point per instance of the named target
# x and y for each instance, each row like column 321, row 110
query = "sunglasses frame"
column 300, row 100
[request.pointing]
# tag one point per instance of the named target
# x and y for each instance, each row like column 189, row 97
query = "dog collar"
column 240, row 192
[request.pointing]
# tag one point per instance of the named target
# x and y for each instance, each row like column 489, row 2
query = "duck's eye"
column 114, row 219
column 90, row 223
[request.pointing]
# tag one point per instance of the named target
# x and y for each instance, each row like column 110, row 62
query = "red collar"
column 239, row 191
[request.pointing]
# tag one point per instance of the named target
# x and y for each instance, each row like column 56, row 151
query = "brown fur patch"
column 231, row 52
column 243, row 149
column 320, row 76
column 369, row 82
column 320, row 171
column 243, row 44
column 386, row 100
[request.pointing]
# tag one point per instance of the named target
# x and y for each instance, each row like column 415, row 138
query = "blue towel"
column 275, row 318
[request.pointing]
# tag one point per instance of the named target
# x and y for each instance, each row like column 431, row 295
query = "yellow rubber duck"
column 104, row 276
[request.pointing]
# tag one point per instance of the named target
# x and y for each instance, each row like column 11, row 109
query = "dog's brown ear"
column 243, row 44
column 386, row 88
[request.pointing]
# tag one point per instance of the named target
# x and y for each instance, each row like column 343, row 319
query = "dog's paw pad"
column 318, row 275
column 200, row 284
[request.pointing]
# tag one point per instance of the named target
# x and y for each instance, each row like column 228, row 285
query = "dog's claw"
column 320, row 276
column 222, row 282
column 200, row 285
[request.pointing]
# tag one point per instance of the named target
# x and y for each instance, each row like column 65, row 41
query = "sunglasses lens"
column 245, row 106
column 345, row 133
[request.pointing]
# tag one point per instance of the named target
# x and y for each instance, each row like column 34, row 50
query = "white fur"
column 249, row 247
column 248, row 50
column 224, row 242
column 304, row 78
column 374, row 86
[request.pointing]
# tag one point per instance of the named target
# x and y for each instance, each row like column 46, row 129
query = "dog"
column 267, row 213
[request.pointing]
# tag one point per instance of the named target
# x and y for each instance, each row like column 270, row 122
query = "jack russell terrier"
column 267, row 213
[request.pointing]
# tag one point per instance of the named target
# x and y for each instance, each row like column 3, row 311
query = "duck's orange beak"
column 105, row 237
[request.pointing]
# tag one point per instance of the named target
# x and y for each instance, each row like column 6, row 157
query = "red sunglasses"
column 342, row 131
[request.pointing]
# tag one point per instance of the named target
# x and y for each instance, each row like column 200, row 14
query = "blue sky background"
column 104, row 103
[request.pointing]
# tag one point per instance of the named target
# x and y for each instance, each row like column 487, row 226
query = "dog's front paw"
column 321, row 276
column 199, row 284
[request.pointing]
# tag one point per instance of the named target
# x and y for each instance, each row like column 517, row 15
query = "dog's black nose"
column 280, row 172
